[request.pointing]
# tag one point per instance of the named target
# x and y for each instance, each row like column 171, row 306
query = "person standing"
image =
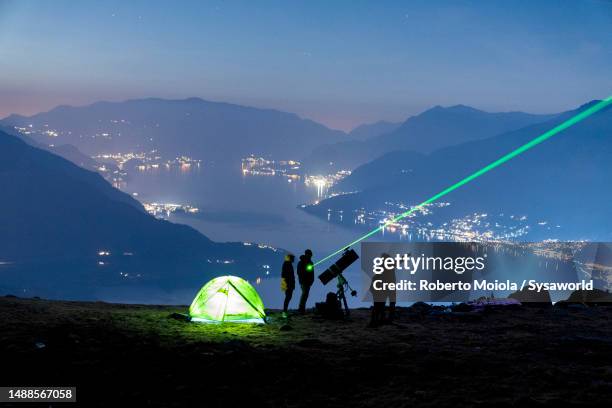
column 287, row 281
column 305, row 272
column 380, row 296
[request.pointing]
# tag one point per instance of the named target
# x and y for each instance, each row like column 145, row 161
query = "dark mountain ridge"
column 207, row 130
column 433, row 129
column 66, row 232
column 369, row 130
column 563, row 181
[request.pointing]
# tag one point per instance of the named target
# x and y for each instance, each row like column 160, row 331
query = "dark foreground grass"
column 137, row 356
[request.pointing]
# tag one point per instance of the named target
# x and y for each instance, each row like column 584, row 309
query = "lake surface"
column 245, row 208
column 262, row 209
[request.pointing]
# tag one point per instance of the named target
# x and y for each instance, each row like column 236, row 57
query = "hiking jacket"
column 288, row 275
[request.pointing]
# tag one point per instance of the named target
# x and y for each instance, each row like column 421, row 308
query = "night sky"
column 338, row 62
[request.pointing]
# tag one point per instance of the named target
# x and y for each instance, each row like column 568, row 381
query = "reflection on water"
column 247, row 209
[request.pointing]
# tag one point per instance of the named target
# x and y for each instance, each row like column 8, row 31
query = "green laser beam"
column 543, row 137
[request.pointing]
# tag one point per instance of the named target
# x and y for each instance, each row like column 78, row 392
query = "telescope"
column 335, row 271
column 348, row 257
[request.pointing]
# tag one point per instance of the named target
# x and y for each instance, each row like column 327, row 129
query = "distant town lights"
column 503, row 159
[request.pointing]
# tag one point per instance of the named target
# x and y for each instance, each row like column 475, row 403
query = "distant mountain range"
column 66, row 233
column 224, row 132
column 370, row 130
column 563, row 182
column 433, row 129
column 203, row 129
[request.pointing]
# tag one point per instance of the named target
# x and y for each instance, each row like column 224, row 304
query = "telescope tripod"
column 342, row 286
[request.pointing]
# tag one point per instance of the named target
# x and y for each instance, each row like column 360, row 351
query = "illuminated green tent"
column 227, row 299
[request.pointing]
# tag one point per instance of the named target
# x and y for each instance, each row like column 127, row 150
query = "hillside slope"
column 139, row 356
column 65, row 232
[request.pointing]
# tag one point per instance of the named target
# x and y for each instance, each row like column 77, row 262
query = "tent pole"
column 261, row 314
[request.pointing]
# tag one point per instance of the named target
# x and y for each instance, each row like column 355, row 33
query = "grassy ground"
column 137, row 355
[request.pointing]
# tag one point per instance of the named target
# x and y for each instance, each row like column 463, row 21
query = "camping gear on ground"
column 227, row 299
column 331, row 308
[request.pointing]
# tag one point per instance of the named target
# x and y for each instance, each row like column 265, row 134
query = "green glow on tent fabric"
column 534, row 142
column 227, row 299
